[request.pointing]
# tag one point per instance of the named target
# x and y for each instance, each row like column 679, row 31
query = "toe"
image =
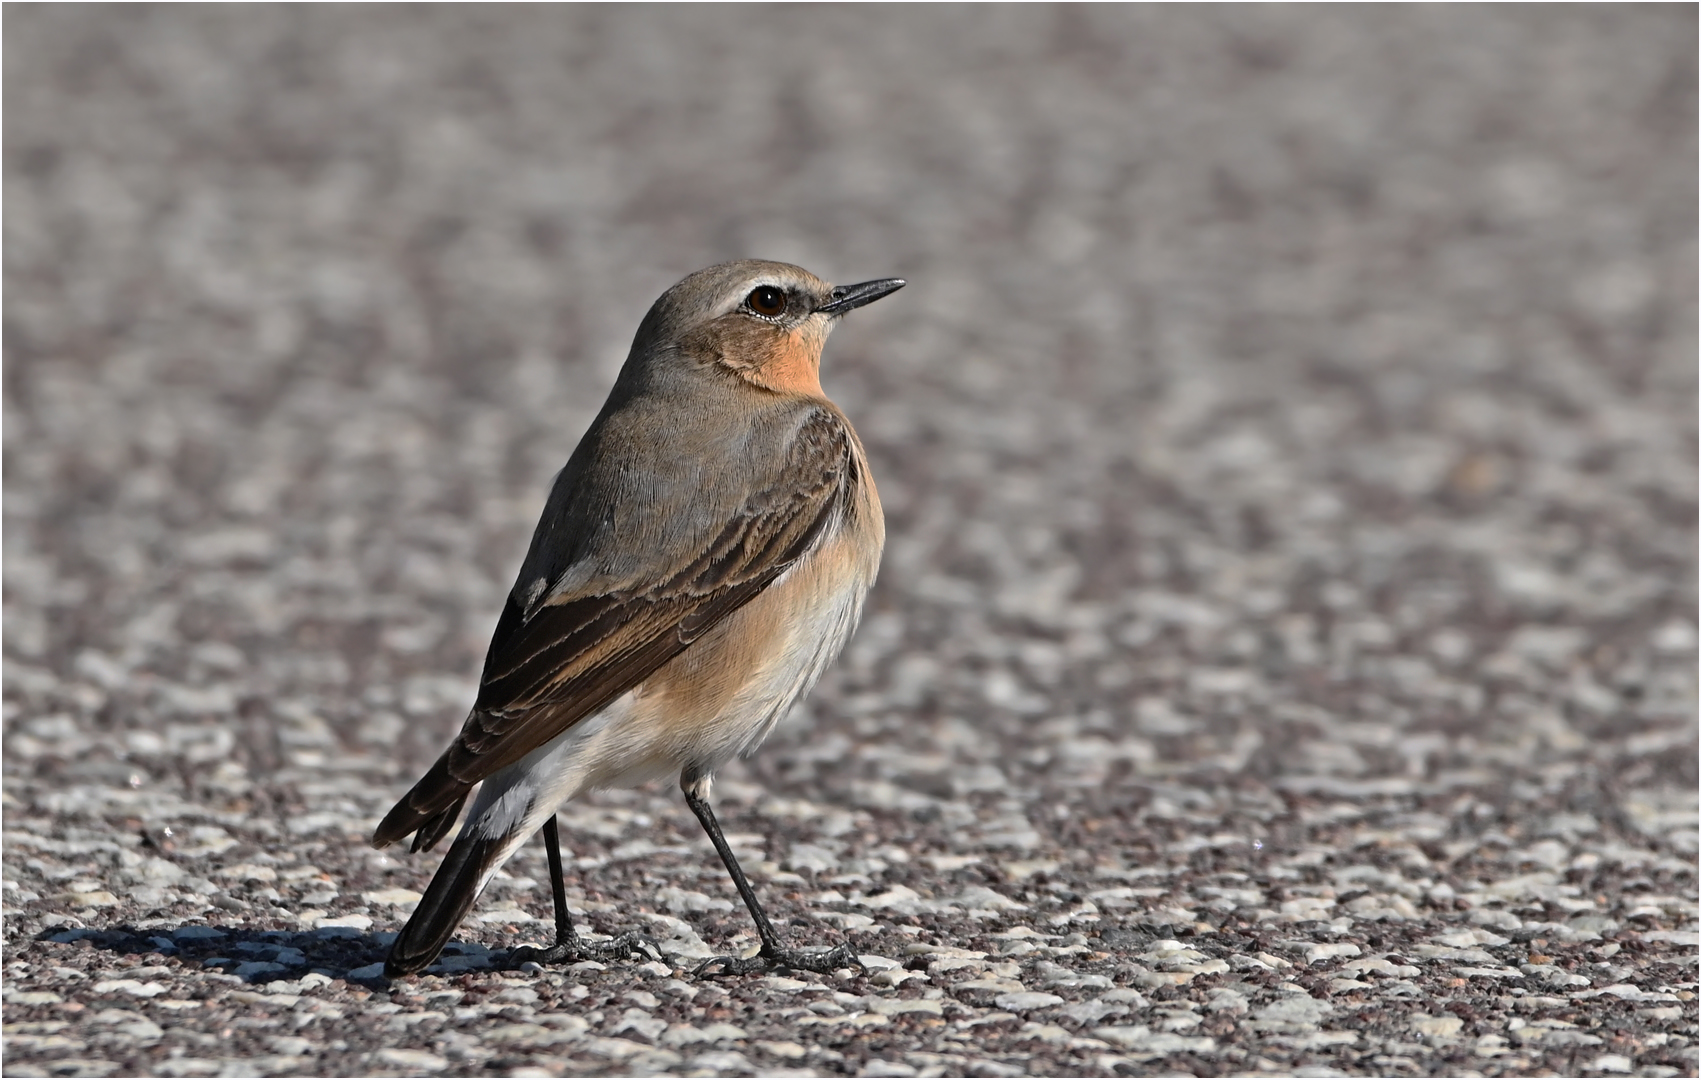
column 730, row 965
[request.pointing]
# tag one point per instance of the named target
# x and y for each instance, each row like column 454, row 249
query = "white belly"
column 818, row 635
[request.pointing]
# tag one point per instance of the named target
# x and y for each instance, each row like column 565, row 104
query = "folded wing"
column 570, row 655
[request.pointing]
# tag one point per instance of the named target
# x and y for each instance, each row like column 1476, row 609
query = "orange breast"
column 792, row 364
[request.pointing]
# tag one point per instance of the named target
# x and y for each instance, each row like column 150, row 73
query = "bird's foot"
column 820, row 961
column 628, row 946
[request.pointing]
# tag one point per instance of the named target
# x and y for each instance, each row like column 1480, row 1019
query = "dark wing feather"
column 572, row 655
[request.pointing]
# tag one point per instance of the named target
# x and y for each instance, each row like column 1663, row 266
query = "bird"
column 701, row 559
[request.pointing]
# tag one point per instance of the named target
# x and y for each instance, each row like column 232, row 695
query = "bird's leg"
column 774, row 953
column 569, row 947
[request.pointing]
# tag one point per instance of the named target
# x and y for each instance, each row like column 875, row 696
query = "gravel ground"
column 1284, row 658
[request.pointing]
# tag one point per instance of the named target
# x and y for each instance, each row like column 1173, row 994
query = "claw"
column 820, row 961
column 555, row 954
column 628, row 946
column 842, row 952
column 731, row 965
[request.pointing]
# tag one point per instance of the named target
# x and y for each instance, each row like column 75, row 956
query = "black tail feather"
column 435, row 829
column 421, row 806
column 446, row 902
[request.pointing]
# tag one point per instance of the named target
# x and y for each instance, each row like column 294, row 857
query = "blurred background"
column 1296, row 319
column 1291, row 408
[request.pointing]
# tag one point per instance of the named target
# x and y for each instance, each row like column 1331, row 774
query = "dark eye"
column 767, row 301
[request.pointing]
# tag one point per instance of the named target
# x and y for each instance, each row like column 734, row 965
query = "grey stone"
column 722, row 1061
column 639, row 1022
column 196, row 933
column 1091, row 1012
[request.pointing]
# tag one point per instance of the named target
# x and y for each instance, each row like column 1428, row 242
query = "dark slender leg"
column 557, row 881
column 774, row 952
column 569, row 946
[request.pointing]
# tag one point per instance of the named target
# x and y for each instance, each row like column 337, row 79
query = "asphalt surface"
column 1284, row 658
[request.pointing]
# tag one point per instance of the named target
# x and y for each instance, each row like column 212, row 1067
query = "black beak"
column 846, row 297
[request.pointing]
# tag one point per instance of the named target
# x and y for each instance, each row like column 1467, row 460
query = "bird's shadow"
column 302, row 958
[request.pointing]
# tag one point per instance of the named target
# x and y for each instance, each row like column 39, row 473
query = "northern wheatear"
column 701, row 560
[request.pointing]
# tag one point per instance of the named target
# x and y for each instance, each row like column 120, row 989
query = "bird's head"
column 764, row 322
